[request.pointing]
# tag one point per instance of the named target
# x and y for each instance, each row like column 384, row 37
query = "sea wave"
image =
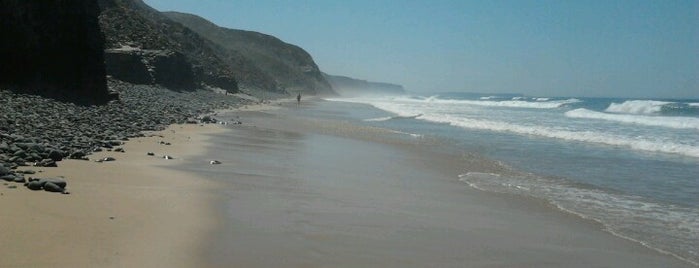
column 635, row 143
column 386, row 118
column 637, row 107
column 667, row 228
column 659, row 121
column 539, row 104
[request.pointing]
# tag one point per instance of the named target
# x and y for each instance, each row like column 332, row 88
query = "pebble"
column 42, row 131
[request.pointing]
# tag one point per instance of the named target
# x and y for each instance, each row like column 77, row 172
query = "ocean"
column 630, row 164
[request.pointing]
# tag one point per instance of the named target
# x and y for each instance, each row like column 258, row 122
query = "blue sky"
column 636, row 48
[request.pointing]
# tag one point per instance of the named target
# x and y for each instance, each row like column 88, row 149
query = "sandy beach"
column 292, row 192
column 320, row 193
column 136, row 211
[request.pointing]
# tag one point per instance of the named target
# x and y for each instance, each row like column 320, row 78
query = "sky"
column 596, row 48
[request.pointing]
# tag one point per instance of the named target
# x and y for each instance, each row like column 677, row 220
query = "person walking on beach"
column 298, row 100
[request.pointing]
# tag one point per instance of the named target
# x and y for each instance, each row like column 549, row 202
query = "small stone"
column 108, row 158
column 55, row 155
column 60, row 182
column 77, row 155
column 4, row 170
column 66, row 192
column 168, row 157
column 150, row 153
column 34, row 185
column 214, row 162
column 52, row 187
column 45, row 163
column 8, row 177
column 121, row 150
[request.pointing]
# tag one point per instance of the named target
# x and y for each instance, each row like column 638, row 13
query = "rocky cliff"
column 145, row 47
column 291, row 67
column 53, row 48
column 348, row 86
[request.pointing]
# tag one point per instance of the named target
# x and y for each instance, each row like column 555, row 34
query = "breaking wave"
column 659, row 121
column 637, row 107
column 636, row 143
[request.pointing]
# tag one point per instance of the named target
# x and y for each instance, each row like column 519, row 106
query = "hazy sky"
column 636, row 48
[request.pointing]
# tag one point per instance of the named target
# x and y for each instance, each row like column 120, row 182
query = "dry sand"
column 133, row 212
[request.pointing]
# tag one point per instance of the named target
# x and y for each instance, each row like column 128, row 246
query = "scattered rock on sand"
column 214, row 162
column 150, row 153
column 34, row 185
column 52, row 187
column 61, row 183
column 168, row 157
column 55, row 185
column 4, row 170
column 8, row 177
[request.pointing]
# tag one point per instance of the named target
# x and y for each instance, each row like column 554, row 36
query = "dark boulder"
column 61, row 183
column 7, row 177
column 77, row 155
column 46, row 163
column 55, row 155
column 4, row 170
column 52, row 187
column 34, row 185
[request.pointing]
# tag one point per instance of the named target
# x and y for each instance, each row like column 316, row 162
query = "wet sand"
column 311, row 193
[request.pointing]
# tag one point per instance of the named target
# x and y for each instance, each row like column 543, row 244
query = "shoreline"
column 148, row 211
column 408, row 195
column 116, row 211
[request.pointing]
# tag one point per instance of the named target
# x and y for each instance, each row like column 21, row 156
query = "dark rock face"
column 127, row 66
column 53, row 48
column 173, row 55
column 163, row 67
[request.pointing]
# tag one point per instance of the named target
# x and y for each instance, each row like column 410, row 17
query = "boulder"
column 52, row 187
column 7, row 177
column 55, row 155
column 60, row 182
column 34, row 185
column 4, row 170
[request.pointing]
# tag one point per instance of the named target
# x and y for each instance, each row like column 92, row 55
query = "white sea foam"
column 505, row 103
column 635, row 143
column 637, row 107
column 667, row 228
column 542, row 99
column 659, row 121
column 693, row 104
column 378, row 119
column 408, row 107
column 386, row 118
